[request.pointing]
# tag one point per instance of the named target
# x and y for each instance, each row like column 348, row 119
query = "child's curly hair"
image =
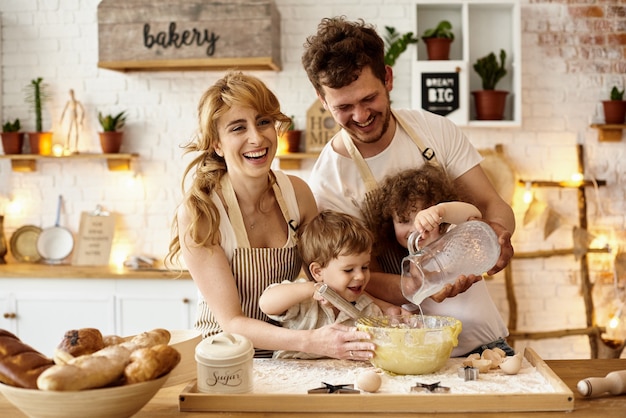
column 400, row 195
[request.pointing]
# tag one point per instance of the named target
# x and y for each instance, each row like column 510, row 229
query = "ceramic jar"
column 225, row 364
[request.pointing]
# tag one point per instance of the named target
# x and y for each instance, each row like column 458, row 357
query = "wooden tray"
column 560, row 399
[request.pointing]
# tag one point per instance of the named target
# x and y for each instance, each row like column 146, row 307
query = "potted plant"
column 490, row 102
column 112, row 134
column 291, row 138
column 396, row 44
column 438, row 41
column 40, row 141
column 12, row 138
column 615, row 108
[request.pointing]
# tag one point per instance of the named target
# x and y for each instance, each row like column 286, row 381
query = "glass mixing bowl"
column 411, row 344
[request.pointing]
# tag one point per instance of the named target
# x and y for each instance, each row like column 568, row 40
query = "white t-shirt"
column 337, row 185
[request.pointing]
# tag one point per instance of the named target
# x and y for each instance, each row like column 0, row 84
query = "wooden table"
column 165, row 403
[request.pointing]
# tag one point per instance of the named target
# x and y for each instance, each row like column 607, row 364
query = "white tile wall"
column 57, row 40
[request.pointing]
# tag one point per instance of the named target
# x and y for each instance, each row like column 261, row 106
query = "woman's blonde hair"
column 234, row 89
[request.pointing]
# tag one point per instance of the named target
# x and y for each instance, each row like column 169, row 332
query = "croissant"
column 151, row 362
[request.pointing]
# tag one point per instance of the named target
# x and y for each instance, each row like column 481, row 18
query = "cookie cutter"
column 430, row 387
column 468, row 373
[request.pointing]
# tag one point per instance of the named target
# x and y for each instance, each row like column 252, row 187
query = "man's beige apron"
column 390, row 259
column 254, row 269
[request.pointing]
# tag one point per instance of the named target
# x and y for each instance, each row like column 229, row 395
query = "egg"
column 482, row 365
column 495, row 358
column 511, row 364
column 369, row 381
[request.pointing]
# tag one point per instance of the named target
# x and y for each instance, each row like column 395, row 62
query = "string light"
column 615, row 325
column 577, row 177
column 58, row 150
column 528, row 193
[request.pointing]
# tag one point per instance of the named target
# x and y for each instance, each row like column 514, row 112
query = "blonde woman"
column 236, row 227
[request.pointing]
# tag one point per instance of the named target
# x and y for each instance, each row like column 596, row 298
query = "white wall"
column 57, row 40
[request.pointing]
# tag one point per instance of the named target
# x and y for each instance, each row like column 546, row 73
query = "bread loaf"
column 78, row 342
column 150, row 363
column 148, row 339
column 112, row 340
column 106, row 366
column 20, row 364
column 88, row 371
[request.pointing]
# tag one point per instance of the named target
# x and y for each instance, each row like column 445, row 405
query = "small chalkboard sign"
column 440, row 92
column 95, row 238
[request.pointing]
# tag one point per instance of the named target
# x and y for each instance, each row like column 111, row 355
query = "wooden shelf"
column 292, row 161
column 28, row 162
column 208, row 64
column 563, row 184
column 609, row 132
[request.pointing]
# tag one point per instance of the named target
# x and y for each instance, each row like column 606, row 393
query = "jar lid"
column 224, row 347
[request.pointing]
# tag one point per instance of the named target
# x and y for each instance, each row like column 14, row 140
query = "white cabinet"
column 40, row 311
column 141, row 305
column 480, row 27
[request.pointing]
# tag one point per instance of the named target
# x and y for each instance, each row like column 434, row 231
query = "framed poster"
column 440, row 87
column 440, row 92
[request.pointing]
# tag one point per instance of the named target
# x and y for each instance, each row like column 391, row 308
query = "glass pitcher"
column 469, row 248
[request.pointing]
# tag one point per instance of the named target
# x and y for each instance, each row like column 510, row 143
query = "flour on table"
column 298, row 376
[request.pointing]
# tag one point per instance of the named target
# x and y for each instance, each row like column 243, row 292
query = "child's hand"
column 393, row 310
column 428, row 219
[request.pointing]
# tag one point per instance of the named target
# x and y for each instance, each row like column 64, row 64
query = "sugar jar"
column 225, row 364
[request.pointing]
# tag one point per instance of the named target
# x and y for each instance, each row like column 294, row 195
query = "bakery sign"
column 188, row 34
column 440, row 92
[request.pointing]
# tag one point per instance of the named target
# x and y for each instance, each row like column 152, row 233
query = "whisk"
column 346, row 307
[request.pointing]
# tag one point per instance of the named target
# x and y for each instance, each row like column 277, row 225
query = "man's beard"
column 374, row 136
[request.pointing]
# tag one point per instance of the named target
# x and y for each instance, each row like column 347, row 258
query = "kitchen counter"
column 165, row 403
column 66, row 271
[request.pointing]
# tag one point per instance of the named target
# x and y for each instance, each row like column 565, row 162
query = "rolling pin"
column 614, row 383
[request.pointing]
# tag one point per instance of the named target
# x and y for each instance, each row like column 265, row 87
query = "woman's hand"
column 342, row 342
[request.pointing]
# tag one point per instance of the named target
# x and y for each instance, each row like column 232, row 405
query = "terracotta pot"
column 12, row 142
column 614, row 111
column 111, row 142
column 40, row 142
column 490, row 104
column 438, row 48
column 293, row 140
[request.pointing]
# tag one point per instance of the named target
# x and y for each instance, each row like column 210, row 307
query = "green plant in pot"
column 291, row 138
column 438, row 41
column 36, row 95
column 396, row 43
column 615, row 108
column 12, row 138
column 490, row 103
column 112, row 135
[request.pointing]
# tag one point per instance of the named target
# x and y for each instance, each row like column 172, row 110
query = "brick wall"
column 572, row 52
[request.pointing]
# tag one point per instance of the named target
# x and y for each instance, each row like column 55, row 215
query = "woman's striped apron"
column 254, row 269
